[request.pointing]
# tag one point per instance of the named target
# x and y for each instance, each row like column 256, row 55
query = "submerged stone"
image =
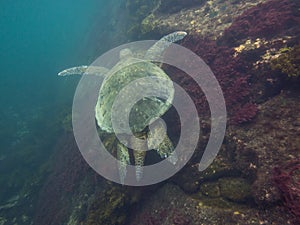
column 235, row 189
column 210, row 189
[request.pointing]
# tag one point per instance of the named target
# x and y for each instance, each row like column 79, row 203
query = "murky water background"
column 252, row 47
column 38, row 39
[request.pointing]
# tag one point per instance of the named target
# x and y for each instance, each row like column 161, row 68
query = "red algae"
column 287, row 180
column 264, row 20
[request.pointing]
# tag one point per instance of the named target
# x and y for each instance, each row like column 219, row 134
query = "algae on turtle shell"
column 141, row 114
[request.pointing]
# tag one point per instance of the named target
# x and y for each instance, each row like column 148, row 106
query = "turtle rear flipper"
column 139, row 153
column 166, row 149
column 123, row 161
column 139, row 158
column 159, row 140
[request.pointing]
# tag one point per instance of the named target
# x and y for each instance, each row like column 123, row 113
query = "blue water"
column 38, row 38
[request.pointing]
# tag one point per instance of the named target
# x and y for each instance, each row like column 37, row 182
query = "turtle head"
column 125, row 53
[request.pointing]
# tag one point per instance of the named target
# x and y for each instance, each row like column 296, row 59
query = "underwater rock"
column 139, row 8
column 287, row 61
column 111, row 206
column 3, row 220
column 233, row 73
column 68, row 170
column 287, row 180
column 265, row 192
column 269, row 19
column 170, row 204
column 210, row 189
column 206, row 18
column 190, row 178
column 74, row 194
column 272, row 140
column 235, row 189
column 243, row 72
column 245, row 113
column 173, row 6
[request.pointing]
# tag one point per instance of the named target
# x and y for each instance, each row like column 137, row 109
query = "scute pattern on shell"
column 143, row 111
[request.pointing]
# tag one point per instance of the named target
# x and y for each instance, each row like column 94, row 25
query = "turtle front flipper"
column 159, row 140
column 80, row 70
column 123, row 161
column 156, row 51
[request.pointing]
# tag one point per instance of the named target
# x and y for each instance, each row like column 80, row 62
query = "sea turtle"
column 144, row 113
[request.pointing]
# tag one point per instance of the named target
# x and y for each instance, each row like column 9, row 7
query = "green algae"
column 149, row 24
column 111, row 207
column 138, row 11
column 210, row 189
column 235, row 189
column 288, row 61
